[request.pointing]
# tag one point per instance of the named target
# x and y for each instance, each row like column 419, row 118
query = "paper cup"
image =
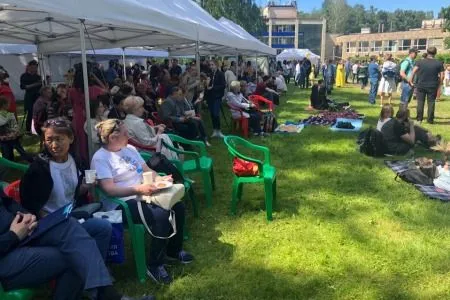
column 90, row 176
column 148, row 177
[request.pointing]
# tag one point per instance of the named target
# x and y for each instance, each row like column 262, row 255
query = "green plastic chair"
column 187, row 182
column 200, row 162
column 13, row 165
column 136, row 232
column 267, row 173
column 23, row 294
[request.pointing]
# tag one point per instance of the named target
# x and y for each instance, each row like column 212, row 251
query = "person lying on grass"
column 400, row 134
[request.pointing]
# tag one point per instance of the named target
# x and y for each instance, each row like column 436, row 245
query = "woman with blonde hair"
column 120, row 170
column 141, row 131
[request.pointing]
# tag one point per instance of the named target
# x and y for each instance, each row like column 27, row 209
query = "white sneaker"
column 207, row 144
column 214, row 134
column 220, row 134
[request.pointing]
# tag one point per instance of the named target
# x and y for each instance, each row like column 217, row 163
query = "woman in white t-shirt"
column 386, row 114
column 120, row 171
column 387, row 84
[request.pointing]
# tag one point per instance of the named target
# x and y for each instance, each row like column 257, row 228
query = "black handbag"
column 159, row 163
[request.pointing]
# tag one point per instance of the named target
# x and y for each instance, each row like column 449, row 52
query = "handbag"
column 116, row 251
column 165, row 199
column 243, row 168
column 86, row 211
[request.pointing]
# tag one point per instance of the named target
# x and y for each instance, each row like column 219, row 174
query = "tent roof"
column 54, row 25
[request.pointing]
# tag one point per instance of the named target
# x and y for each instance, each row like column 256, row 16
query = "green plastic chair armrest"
column 262, row 149
column 200, row 145
column 13, row 165
column 102, row 195
column 179, row 151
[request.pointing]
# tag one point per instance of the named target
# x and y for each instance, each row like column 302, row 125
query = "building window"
column 390, row 45
column 264, row 39
column 404, row 45
column 283, row 40
column 438, row 43
column 351, row 47
column 420, row 44
column 376, row 46
column 283, row 28
column 363, row 46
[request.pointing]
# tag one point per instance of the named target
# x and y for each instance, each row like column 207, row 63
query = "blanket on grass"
column 326, row 118
column 399, row 166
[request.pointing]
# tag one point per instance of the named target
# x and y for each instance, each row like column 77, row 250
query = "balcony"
column 283, row 33
column 283, row 46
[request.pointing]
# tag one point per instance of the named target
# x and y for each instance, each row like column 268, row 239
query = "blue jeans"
column 65, row 252
column 100, row 230
column 373, row 90
column 407, row 92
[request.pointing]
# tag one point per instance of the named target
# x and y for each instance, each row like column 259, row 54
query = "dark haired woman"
column 56, row 179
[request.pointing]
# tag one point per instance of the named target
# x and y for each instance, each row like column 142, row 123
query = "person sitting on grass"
column 142, row 132
column 10, row 134
column 120, row 171
column 400, row 134
column 318, row 96
column 237, row 103
column 386, row 114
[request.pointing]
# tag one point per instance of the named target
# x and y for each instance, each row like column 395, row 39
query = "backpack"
column 397, row 74
column 390, row 73
column 269, row 122
column 371, row 143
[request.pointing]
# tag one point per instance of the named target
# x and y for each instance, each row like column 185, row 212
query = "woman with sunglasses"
column 120, row 171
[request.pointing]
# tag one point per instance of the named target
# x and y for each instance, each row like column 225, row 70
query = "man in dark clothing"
column 430, row 76
column 31, row 82
column 262, row 89
column 214, row 94
column 176, row 69
column 400, row 134
column 307, row 66
column 318, row 96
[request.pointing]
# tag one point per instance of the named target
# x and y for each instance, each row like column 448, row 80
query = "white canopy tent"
column 298, row 54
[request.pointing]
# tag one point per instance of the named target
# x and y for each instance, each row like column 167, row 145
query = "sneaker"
column 214, row 134
column 220, row 134
column 159, row 274
column 183, row 258
column 207, row 144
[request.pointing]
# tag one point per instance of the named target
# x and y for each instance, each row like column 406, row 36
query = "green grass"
column 343, row 228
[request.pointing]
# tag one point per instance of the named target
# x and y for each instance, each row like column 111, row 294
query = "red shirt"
column 260, row 88
column 6, row 91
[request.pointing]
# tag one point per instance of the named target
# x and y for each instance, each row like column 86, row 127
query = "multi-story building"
column 398, row 43
column 285, row 30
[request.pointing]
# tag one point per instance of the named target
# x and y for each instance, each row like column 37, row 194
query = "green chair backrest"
column 13, row 165
column 233, row 142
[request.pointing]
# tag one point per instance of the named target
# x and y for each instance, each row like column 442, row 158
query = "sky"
column 390, row 5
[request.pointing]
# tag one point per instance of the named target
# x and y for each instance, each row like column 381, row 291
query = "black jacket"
column 36, row 185
column 218, row 84
column 8, row 210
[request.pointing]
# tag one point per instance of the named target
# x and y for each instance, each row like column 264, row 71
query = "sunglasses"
column 57, row 123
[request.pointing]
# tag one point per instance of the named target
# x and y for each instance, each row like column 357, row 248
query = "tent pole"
column 86, row 88
column 41, row 64
column 124, row 67
column 197, row 56
column 256, row 59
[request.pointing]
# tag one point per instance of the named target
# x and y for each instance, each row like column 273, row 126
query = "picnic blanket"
column 290, row 127
column 399, row 166
column 326, row 118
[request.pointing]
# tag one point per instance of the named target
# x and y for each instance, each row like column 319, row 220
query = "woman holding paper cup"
column 55, row 179
column 121, row 172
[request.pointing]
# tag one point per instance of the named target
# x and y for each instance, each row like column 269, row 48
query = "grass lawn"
column 343, row 228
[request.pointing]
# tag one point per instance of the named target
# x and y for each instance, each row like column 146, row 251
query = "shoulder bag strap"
column 171, row 221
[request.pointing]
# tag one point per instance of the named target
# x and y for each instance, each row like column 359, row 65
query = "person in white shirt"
column 120, row 170
column 297, row 73
column 229, row 76
column 280, row 83
column 240, row 107
column 141, row 132
column 387, row 84
column 355, row 72
column 386, row 114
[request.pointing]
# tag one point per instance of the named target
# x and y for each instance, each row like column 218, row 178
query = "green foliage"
column 445, row 14
column 444, row 57
column 244, row 13
column 344, row 18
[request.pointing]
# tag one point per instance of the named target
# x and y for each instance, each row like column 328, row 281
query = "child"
column 97, row 110
column 10, row 134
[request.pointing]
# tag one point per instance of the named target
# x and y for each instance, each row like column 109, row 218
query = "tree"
column 337, row 14
column 243, row 12
column 445, row 14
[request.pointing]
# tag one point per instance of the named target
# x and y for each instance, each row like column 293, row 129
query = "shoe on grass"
column 141, row 298
column 183, row 258
column 159, row 274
